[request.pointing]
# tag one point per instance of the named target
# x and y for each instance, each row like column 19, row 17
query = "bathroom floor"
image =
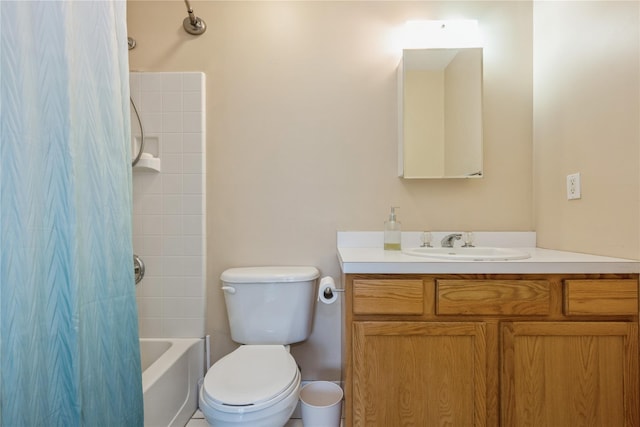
column 198, row 421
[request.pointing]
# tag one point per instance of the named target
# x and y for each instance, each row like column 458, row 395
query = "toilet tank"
column 270, row 305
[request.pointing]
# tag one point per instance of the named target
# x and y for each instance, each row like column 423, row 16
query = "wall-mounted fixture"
column 440, row 101
column 425, row 34
column 193, row 24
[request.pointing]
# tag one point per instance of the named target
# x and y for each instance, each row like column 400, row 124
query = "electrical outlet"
column 573, row 186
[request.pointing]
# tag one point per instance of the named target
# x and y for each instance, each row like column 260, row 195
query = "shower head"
column 192, row 24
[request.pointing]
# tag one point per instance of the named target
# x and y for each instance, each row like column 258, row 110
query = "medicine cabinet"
column 440, row 113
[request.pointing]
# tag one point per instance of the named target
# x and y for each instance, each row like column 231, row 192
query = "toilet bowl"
column 255, row 385
column 258, row 384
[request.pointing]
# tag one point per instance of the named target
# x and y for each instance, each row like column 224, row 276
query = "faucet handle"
column 468, row 238
column 425, row 238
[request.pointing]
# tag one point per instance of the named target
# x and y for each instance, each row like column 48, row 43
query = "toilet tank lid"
column 269, row 274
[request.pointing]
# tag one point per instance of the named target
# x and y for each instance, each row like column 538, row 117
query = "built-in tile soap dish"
column 150, row 157
column 148, row 162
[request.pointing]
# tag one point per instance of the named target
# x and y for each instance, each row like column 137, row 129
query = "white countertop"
column 375, row 260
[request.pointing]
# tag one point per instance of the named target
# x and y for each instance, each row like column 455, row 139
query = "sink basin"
column 469, row 254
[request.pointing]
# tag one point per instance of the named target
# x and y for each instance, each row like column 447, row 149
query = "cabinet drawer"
column 388, row 297
column 493, row 297
column 603, row 297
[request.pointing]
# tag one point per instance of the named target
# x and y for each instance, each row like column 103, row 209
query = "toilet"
column 258, row 384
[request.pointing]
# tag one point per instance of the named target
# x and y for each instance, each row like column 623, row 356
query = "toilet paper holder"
column 328, row 292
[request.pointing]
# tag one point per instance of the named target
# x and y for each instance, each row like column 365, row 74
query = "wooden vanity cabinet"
column 491, row 350
column 398, row 366
column 569, row 374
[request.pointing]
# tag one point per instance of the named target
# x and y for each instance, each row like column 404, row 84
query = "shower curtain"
column 69, row 351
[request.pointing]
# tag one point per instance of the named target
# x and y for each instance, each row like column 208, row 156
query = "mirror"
column 440, row 113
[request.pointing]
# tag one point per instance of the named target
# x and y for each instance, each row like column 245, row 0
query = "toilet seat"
column 251, row 378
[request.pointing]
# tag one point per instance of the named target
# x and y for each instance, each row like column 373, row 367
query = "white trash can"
column 321, row 403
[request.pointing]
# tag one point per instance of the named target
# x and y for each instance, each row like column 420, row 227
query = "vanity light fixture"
column 426, row 34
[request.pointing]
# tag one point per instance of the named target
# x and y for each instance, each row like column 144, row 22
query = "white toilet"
column 258, row 384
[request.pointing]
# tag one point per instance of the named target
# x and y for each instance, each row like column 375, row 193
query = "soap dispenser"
column 392, row 232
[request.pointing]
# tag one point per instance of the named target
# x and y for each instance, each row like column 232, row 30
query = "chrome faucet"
column 447, row 242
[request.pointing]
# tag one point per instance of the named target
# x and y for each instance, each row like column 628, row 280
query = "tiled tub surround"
column 168, row 206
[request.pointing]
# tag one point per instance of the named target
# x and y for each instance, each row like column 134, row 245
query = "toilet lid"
column 250, row 375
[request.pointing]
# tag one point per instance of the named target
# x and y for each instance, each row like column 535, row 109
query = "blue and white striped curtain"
column 69, row 351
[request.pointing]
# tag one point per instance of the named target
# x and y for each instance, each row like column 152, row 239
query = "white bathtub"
column 171, row 368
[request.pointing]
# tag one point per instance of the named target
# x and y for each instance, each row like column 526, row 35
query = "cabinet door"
column 419, row 374
column 569, row 374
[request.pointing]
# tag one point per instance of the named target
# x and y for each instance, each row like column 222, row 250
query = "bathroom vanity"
column 552, row 340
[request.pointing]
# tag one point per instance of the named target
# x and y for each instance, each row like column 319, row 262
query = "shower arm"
column 192, row 17
column 192, row 24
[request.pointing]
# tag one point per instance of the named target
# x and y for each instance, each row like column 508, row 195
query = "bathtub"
column 171, row 368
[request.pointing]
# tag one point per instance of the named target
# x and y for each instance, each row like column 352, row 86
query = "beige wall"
column 587, row 120
column 301, row 133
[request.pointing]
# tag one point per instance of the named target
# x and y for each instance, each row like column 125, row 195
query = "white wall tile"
column 147, row 182
column 172, row 102
column 172, row 82
column 172, row 122
column 151, row 224
column 183, row 328
column 151, row 287
column 172, row 143
column 183, row 287
column 134, row 82
column 135, row 95
column 192, row 205
column 172, row 286
column 172, row 163
column 193, row 265
column 192, row 183
column 191, row 122
column 168, row 217
column 151, row 307
column 192, row 225
column 153, row 266
column 172, row 183
column 192, row 142
column 183, row 307
column 151, row 327
column 193, row 81
column 152, row 123
column 150, row 82
column 173, row 266
column 151, row 245
column 192, row 163
column 147, row 204
column 192, row 245
column 192, row 101
column 173, row 245
column 136, row 226
column 150, row 102
column 172, row 204
column 172, row 224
